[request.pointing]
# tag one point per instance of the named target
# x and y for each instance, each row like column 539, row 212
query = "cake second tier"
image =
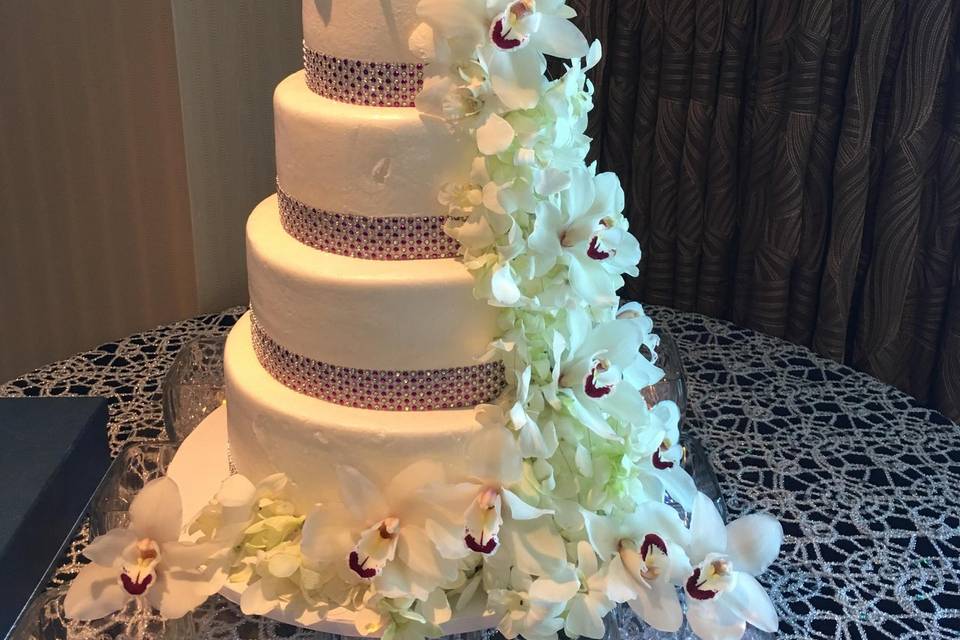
column 367, row 314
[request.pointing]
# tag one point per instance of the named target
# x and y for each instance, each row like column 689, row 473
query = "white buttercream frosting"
column 374, row 30
column 368, row 314
column 273, row 428
column 370, row 161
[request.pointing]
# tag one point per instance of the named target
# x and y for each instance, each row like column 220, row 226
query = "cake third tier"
column 365, row 314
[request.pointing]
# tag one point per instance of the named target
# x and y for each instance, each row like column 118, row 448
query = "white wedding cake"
column 437, row 408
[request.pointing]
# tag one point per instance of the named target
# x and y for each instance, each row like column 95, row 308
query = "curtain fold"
column 794, row 165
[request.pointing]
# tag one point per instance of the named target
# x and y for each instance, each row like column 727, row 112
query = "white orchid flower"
column 644, row 371
column 275, row 584
column 663, row 468
column 537, row 438
column 495, row 516
column 587, row 233
column 588, row 372
column 512, row 36
column 463, row 97
column 533, row 607
column 585, row 611
column 476, row 218
column 645, row 559
column 238, row 504
column 722, row 592
column 145, row 560
column 382, row 535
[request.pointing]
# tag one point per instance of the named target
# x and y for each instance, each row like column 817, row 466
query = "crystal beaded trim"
column 421, row 390
column 378, row 84
column 368, row 237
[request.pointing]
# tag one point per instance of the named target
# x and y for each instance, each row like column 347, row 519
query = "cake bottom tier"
column 273, row 428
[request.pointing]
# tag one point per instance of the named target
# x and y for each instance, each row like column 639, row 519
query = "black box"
column 53, row 454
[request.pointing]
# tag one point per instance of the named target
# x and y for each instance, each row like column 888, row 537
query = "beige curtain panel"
column 794, row 166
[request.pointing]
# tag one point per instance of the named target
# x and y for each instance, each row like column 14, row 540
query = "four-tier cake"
column 439, row 414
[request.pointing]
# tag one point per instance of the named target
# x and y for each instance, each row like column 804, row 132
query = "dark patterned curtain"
column 794, row 166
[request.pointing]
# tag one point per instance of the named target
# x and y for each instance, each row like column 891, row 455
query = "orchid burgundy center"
column 711, row 578
column 504, row 32
column 138, row 578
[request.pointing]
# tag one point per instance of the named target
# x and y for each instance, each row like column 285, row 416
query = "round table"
column 865, row 480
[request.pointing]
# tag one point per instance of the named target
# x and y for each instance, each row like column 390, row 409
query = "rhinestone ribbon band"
column 367, row 237
column 378, row 84
column 422, row 390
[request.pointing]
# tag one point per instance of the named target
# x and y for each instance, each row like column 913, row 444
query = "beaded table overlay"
column 376, row 84
column 367, row 237
column 865, row 480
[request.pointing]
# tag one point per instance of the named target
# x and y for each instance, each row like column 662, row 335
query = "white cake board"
column 201, row 465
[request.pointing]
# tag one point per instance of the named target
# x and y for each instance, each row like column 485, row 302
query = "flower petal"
column 592, row 282
column 504, row 286
column 516, row 77
column 417, row 551
column 236, row 491
column 678, row 483
column 659, row 607
column 436, row 608
column 753, row 542
column 536, row 545
column 561, row 38
column 558, row 590
column 178, row 592
column 495, row 456
column 254, row 600
column 447, row 537
column 156, row 512
column 367, row 621
column 586, row 559
column 586, row 411
column 656, row 517
column 361, row 496
column 707, row 531
column 550, row 181
column 583, row 619
column 749, row 600
column 409, row 482
column 711, row 621
column 182, row 555
column 325, row 537
column 603, row 533
column 620, row 587
column 95, row 592
column 593, row 56
column 109, row 549
column 520, row 510
column 494, row 136
column 579, row 197
column 283, row 565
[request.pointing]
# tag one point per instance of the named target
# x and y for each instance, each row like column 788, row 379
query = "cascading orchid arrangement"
column 560, row 512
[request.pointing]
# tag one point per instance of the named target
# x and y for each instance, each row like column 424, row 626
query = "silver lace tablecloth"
column 865, row 480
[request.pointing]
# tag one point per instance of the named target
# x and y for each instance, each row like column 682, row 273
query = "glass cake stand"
column 193, row 388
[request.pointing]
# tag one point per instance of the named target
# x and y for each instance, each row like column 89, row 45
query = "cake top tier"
column 367, row 30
